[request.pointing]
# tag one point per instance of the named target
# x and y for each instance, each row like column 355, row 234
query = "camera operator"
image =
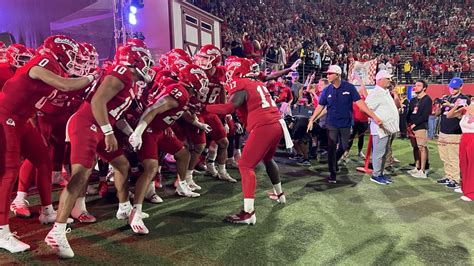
column 450, row 133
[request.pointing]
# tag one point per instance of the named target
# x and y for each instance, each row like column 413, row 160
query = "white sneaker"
column 57, row 240
column 465, row 198
column 183, row 190
column 413, row 171
column 193, row 186
column 395, row 160
column 137, row 225
column 10, row 242
column 211, row 170
column 420, row 174
column 124, row 214
column 154, row 199
column 458, row 190
column 361, row 155
column 226, row 177
column 20, row 208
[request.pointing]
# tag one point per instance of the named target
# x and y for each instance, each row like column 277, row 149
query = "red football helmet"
column 176, row 63
column 240, row 67
column 3, row 54
column 194, row 76
column 177, row 52
column 93, row 56
column 237, row 67
column 64, row 49
column 208, row 56
column 136, row 42
column 138, row 57
column 162, row 79
column 18, row 55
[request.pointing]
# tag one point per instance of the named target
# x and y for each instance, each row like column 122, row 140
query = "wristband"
column 106, row 129
column 109, row 133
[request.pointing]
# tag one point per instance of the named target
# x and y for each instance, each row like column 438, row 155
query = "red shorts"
column 261, row 145
column 53, row 128
column 87, row 140
column 154, row 141
column 19, row 138
column 213, row 120
column 185, row 131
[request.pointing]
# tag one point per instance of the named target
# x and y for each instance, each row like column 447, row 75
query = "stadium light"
column 133, row 9
column 132, row 19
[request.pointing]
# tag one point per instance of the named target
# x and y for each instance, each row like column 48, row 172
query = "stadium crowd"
column 435, row 37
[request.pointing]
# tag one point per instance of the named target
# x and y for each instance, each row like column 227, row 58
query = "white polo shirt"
column 381, row 103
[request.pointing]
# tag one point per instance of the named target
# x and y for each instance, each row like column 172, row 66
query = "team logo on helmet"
column 213, row 51
column 68, row 42
column 197, row 71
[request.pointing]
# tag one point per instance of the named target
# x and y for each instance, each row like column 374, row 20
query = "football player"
column 257, row 110
column 28, row 89
column 91, row 131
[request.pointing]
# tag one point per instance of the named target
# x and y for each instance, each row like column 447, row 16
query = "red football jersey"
column 6, row 72
column 22, row 94
column 120, row 103
column 259, row 108
column 216, row 82
column 166, row 119
column 64, row 103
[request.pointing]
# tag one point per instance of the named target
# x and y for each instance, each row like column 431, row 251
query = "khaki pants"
column 449, row 154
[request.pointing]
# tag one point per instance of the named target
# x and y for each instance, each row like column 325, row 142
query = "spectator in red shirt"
column 361, row 123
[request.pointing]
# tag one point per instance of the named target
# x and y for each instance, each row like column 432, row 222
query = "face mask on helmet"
column 18, row 55
column 147, row 71
column 207, row 57
column 64, row 50
column 81, row 64
column 3, row 53
column 195, row 77
column 93, row 61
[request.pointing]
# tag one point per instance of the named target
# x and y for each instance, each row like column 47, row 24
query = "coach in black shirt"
column 419, row 111
column 450, row 134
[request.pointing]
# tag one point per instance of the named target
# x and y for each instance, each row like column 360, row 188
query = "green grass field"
column 355, row 222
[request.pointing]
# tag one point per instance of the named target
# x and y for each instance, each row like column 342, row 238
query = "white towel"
column 286, row 134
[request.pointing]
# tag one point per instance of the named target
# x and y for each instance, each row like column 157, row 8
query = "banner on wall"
column 365, row 70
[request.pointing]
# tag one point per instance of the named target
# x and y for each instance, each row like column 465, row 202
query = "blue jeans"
column 432, row 121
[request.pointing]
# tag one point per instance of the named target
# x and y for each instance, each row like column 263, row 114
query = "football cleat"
column 183, row 190
column 193, row 186
column 280, row 198
column 226, row 177
column 211, row 170
column 85, row 217
column 10, row 242
column 20, row 208
column 124, row 214
column 242, row 218
column 136, row 223
column 57, row 241
column 154, row 199
column 48, row 218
